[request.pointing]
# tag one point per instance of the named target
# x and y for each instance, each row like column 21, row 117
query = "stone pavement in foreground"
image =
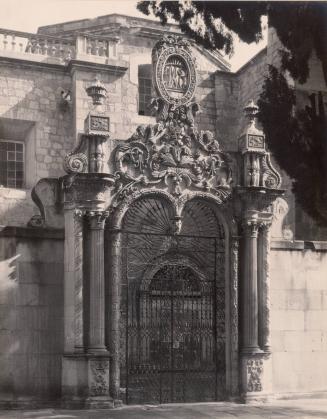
column 296, row 409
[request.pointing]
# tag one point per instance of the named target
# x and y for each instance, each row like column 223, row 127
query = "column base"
column 85, row 381
column 256, row 373
column 253, row 350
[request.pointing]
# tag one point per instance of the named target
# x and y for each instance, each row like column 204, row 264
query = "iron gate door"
column 173, row 316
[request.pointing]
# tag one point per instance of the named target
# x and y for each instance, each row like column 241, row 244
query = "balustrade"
column 16, row 42
column 86, row 47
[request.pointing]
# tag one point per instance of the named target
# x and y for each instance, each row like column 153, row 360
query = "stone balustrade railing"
column 92, row 46
column 38, row 47
column 14, row 43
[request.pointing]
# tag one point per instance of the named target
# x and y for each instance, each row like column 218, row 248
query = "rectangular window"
column 12, row 164
column 144, row 95
column 145, row 88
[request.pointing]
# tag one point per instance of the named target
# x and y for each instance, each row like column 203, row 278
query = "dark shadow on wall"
column 31, row 314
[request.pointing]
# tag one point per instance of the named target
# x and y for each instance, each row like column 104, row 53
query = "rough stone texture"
column 31, row 94
column 31, row 318
column 299, row 320
column 16, row 206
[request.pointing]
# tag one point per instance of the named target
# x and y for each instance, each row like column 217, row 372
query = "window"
column 11, row 164
column 145, row 89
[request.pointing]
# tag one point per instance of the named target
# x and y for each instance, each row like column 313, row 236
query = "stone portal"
column 164, row 236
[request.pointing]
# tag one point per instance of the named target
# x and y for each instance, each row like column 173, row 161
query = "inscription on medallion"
column 176, row 76
column 174, row 71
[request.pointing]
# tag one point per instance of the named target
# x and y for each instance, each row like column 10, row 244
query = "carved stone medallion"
column 172, row 154
column 174, row 70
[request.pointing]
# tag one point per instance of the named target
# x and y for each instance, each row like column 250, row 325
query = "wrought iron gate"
column 172, row 319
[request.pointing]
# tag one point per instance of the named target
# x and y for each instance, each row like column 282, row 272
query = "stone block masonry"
column 298, row 320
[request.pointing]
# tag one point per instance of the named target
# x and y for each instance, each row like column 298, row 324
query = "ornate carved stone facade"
column 254, row 371
column 206, row 206
column 173, row 154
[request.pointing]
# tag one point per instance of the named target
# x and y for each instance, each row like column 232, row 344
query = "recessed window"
column 145, row 89
column 12, row 164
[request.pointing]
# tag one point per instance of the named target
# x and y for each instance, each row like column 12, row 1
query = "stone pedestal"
column 86, row 381
column 256, row 377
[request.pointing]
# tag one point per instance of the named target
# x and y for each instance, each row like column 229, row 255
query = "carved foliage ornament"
column 254, row 374
column 99, row 379
column 172, row 153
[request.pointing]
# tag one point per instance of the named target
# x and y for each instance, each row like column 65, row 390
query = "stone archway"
column 181, row 166
column 150, row 250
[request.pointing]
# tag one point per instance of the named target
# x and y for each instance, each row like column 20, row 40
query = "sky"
column 28, row 15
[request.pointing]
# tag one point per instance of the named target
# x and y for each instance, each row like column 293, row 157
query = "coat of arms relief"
column 173, row 153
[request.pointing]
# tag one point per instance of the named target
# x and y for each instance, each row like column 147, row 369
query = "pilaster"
column 96, row 331
column 86, row 191
column 250, row 343
column 114, row 311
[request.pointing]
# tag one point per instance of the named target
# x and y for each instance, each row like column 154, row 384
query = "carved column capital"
column 78, row 214
column 96, row 219
column 251, row 228
column 264, row 225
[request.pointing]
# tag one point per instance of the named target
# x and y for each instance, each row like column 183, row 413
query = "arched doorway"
column 173, row 314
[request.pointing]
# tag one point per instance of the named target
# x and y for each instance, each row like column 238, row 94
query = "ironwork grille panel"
column 172, row 319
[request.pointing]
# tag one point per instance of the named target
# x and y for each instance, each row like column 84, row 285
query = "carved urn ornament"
column 172, row 154
column 89, row 156
column 257, row 167
column 97, row 92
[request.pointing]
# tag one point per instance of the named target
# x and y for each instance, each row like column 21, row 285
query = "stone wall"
column 299, row 317
column 30, row 111
column 31, row 315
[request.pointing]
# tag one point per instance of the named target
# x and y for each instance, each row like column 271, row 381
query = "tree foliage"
column 298, row 141
column 297, row 138
column 301, row 26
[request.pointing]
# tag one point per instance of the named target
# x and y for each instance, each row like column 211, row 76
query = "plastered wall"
column 299, row 319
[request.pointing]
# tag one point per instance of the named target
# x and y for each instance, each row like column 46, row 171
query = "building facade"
column 151, row 250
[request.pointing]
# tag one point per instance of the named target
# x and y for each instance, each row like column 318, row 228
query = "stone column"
column 234, row 326
column 114, row 312
column 256, row 364
column 264, row 286
column 79, row 293
column 69, row 280
column 96, row 336
column 250, row 288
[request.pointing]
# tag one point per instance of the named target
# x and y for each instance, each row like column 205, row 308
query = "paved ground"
column 298, row 409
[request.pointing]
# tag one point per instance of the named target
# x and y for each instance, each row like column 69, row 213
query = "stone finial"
column 97, row 91
column 251, row 110
column 251, row 136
